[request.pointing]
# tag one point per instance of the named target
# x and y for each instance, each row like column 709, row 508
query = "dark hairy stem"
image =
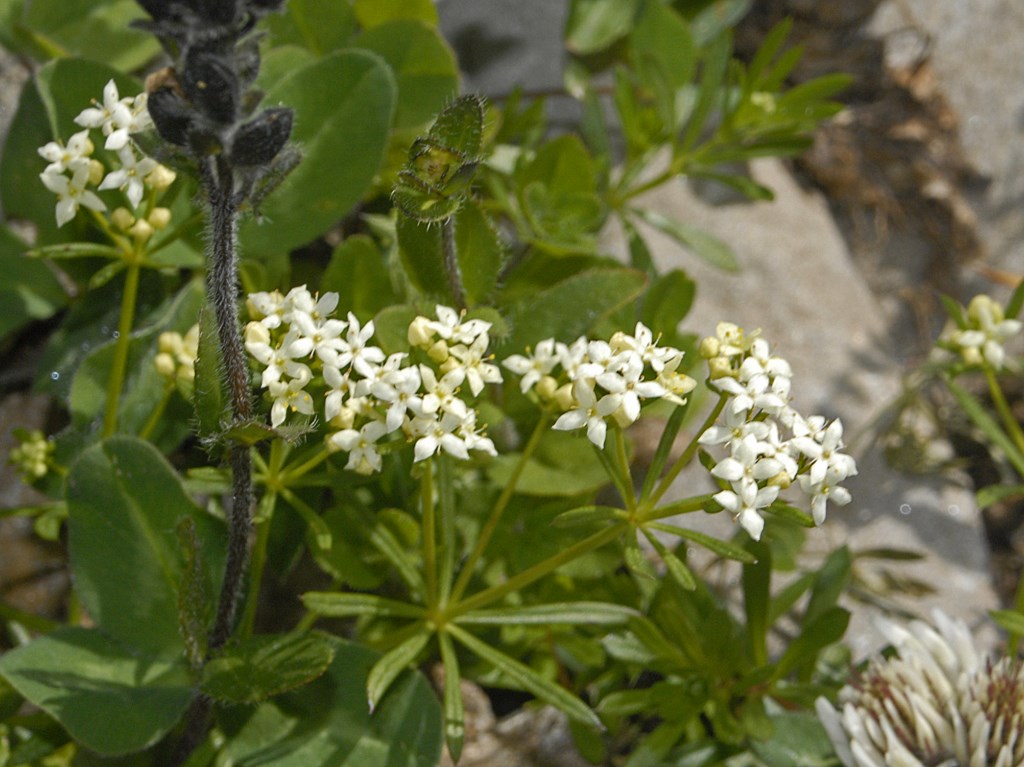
column 451, row 263
column 222, row 293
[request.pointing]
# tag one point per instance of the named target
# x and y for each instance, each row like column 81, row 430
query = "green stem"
column 622, row 464
column 1010, row 423
column 289, row 475
column 539, row 570
column 120, row 363
column 429, row 532
column 158, row 412
column 257, row 564
column 1018, row 605
column 688, row 454
column 446, row 506
column 487, row 532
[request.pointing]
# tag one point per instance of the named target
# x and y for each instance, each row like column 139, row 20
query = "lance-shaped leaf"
column 263, row 666
column 702, row 244
column 722, row 548
column 352, row 605
column 528, row 679
column 454, row 714
column 574, row 613
column 393, row 663
column 111, row 699
column 678, row 571
column 208, row 390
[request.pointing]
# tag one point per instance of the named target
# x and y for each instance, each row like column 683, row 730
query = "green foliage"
column 547, row 562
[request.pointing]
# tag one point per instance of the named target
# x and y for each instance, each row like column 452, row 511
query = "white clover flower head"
column 937, row 703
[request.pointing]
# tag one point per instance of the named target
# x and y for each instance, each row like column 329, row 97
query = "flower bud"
column 170, row 342
column 439, row 351
column 719, row 367
column 141, row 230
column 256, row 333
column 96, row 172
column 122, row 218
column 160, row 178
column 420, row 333
column 165, row 365
column 160, row 218
column 709, row 347
column 564, row 397
column 546, row 387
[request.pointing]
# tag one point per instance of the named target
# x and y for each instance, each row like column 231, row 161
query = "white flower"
column 436, row 434
column 590, row 413
column 363, row 457
column 747, row 464
column 280, row 361
column 356, row 352
column 627, row 383
column 71, row 193
column 746, row 503
column 822, row 447
column 533, row 367
column 129, row 178
column 987, row 332
column 69, row 157
column 316, row 334
column 470, row 362
column 289, row 396
column 117, row 117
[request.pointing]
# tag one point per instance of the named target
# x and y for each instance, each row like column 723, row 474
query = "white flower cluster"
column 73, row 169
column 936, row 704
column 368, row 395
column 761, row 463
column 601, row 380
column 982, row 341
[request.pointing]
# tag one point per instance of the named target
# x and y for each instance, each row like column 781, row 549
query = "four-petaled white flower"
column 590, row 412
column 129, row 177
column 117, row 117
column 71, row 193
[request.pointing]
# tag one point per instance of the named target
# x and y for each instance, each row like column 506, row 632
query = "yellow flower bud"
column 141, row 230
column 719, row 367
column 564, row 397
column 546, row 387
column 160, row 177
column 164, row 364
column 122, row 218
column 96, row 172
column 160, row 218
column 709, row 347
column 420, row 333
column 439, row 351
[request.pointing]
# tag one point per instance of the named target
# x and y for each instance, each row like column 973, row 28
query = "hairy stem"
column 452, row 269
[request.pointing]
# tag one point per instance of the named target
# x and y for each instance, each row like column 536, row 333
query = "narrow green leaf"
column 588, row 515
column 349, row 605
column 573, row 613
column 770, row 46
column 832, row 579
column 662, row 39
column 756, row 593
column 791, row 513
column 667, row 302
column 785, row 599
column 661, row 453
column 639, row 254
column 1016, row 301
column 827, row 628
column 713, row 69
column 528, row 679
column 720, row 547
column 124, row 505
column 984, row 421
column 635, row 557
column 593, row 25
column 1010, row 620
column 385, row 542
column 454, row 715
column 111, row 699
column 702, row 244
column 75, row 250
column 716, row 18
column 208, row 389
column 890, row 552
column 995, row 493
column 393, row 663
column 678, row 571
column 263, row 666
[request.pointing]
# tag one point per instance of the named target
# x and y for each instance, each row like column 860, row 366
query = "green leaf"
column 702, row 244
column 677, row 570
column 263, row 666
column 393, row 663
column 29, row 290
column 327, row 723
column 713, row 70
column 593, row 25
column 343, row 139
column 313, row 24
column 573, row 306
column 358, row 273
column 588, row 515
column 798, row 738
column 1013, row 306
column 208, row 395
column 984, row 421
column 717, row 18
column 832, row 579
column 668, row 301
column 757, row 578
column 562, row 466
column 195, row 606
column 479, row 252
column 454, row 714
column 663, row 49
column 124, row 504
column 791, row 514
column 350, row 605
column 995, row 493
column 572, row 613
column 423, row 64
column 422, row 255
column 1009, row 620
column 74, row 250
column 719, row 547
column 372, row 13
column 826, row 628
column 528, row 679
column 111, row 699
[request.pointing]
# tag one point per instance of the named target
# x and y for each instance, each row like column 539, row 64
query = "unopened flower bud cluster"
column 761, row 462
column 176, row 358
column 364, row 395
column 31, row 456
column 937, row 702
column 73, row 173
column 594, row 383
column 982, row 339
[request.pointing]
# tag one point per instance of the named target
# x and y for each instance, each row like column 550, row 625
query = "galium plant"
column 445, row 408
